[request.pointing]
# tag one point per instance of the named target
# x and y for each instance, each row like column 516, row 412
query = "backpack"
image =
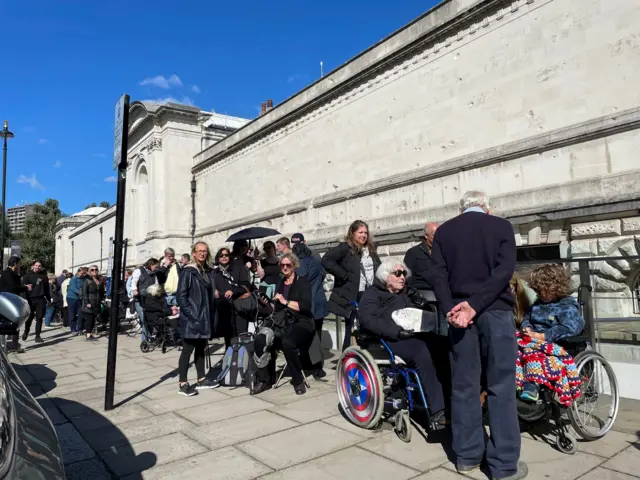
column 236, row 362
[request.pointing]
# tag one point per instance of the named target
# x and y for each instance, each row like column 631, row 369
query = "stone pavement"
column 227, row 434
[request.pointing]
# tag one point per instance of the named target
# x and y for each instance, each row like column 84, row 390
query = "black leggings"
column 190, row 345
column 89, row 322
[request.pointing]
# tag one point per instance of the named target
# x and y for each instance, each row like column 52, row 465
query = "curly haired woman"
column 555, row 315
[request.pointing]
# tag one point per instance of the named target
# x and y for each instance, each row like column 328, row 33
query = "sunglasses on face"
column 93, row 270
column 286, row 265
column 224, row 255
column 399, row 273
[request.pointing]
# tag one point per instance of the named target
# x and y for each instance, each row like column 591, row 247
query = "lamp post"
column 6, row 134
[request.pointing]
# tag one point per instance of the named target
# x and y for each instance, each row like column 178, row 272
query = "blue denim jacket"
column 557, row 320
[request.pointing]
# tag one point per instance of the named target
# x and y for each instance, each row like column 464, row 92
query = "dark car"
column 29, row 447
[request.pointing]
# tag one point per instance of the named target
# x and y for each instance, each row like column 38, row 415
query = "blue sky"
column 68, row 61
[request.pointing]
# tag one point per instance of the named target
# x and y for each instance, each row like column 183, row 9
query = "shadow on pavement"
column 93, row 447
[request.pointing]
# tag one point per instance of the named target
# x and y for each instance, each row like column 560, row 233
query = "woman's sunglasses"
column 286, row 265
column 399, row 273
column 224, row 255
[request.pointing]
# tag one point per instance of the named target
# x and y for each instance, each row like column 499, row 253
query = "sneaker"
column 464, row 469
column 207, row 384
column 529, row 392
column 15, row 349
column 39, row 340
column 186, row 390
column 24, row 337
column 521, row 473
column 439, row 420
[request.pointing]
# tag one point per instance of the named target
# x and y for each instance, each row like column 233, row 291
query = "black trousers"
column 416, row 354
column 89, row 321
column 348, row 326
column 297, row 336
column 38, row 308
column 486, row 348
column 65, row 316
column 197, row 346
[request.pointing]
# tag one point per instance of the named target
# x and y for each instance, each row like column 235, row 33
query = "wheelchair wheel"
column 360, row 388
column 144, row 347
column 163, row 345
column 402, row 426
column 567, row 444
column 593, row 413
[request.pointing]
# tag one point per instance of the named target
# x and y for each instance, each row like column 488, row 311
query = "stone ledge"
column 631, row 225
column 599, row 229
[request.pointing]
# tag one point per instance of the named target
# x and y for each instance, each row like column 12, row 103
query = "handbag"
column 246, row 304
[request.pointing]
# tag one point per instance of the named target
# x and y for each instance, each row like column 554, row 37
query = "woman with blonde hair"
column 353, row 264
column 196, row 299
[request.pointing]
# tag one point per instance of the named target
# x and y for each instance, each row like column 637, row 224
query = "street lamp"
column 6, row 134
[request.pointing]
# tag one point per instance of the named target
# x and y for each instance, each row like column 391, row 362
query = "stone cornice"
column 436, row 33
column 103, row 217
column 585, row 131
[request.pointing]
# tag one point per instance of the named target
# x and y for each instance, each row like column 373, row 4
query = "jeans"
column 488, row 344
column 145, row 333
column 48, row 316
column 73, row 307
column 196, row 346
column 172, row 301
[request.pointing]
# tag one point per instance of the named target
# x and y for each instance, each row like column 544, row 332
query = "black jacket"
column 196, row 300
column 344, row 264
column 239, row 271
column 10, row 282
column 223, row 283
column 473, row 260
column 39, row 285
column 311, row 268
column 156, row 308
column 375, row 309
column 300, row 291
column 161, row 273
column 418, row 260
column 92, row 294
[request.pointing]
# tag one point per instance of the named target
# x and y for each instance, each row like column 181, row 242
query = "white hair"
column 474, row 199
column 169, row 250
column 387, row 266
column 155, row 290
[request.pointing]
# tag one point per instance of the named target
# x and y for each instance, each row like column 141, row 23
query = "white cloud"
column 58, row 164
column 162, row 101
column 42, row 141
column 32, row 181
column 100, row 155
column 111, row 179
column 161, row 82
column 195, row 89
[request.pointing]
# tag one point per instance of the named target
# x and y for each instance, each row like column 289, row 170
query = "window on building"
column 543, row 253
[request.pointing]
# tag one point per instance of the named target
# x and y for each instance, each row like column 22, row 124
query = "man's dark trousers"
column 489, row 342
column 38, row 307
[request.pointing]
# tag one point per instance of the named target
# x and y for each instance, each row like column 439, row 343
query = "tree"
column 94, row 204
column 8, row 236
column 38, row 237
column 104, row 204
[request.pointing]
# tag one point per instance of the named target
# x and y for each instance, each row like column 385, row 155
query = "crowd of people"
column 466, row 267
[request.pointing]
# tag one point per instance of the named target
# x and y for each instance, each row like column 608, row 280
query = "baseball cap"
column 297, row 238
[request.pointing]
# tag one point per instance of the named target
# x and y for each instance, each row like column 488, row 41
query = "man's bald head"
column 429, row 232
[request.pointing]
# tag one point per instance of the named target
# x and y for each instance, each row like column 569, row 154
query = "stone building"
column 534, row 101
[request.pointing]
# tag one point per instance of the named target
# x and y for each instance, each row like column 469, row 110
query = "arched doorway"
column 142, row 202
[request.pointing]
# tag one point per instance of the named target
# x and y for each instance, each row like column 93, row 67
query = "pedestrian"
column 353, row 264
column 64, row 290
column 10, row 283
column 269, row 268
column 167, row 274
column 74, row 293
column 53, row 304
column 311, row 267
column 472, row 262
column 185, row 259
column 141, row 280
column 93, row 293
column 38, row 297
column 197, row 309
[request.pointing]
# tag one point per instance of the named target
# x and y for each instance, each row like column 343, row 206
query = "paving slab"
column 344, row 424
column 440, row 474
column 127, row 459
column 157, row 379
column 74, row 447
column 174, row 402
column 57, row 361
column 87, row 470
column 230, row 408
column 45, row 372
column 80, row 395
column 342, row 465
column 606, row 474
column 240, row 429
column 137, row 430
column 286, row 394
column 52, row 411
column 418, row 454
column 93, row 420
column 609, row 445
column 74, row 409
column 300, row 444
column 307, row 410
column 52, row 387
column 124, row 368
column 627, row 461
column 225, row 464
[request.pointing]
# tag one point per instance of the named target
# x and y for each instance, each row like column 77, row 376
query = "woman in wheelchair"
column 376, row 309
column 291, row 328
column 156, row 308
column 554, row 316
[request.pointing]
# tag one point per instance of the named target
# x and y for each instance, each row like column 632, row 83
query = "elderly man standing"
column 473, row 259
column 167, row 274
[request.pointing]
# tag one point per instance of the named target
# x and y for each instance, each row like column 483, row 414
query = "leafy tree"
column 104, row 204
column 94, row 204
column 38, row 237
column 8, row 236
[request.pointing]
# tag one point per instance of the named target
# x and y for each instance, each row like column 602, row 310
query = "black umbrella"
column 252, row 233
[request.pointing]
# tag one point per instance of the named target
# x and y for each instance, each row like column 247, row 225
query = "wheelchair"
column 162, row 334
column 374, row 386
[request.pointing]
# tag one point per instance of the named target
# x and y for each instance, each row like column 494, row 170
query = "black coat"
column 92, row 294
column 156, row 308
column 39, row 285
column 344, row 264
column 300, row 291
column 10, row 283
column 196, row 299
column 375, row 309
column 311, row 268
column 418, row 260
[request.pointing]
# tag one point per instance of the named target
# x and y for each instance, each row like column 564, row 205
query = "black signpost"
column 120, row 163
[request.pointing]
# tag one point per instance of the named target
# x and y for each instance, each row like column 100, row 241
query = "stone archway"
column 142, row 201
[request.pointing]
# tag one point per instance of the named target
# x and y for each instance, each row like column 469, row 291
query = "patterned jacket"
column 557, row 320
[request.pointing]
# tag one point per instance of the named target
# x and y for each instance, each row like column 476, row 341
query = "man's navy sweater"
column 473, row 259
